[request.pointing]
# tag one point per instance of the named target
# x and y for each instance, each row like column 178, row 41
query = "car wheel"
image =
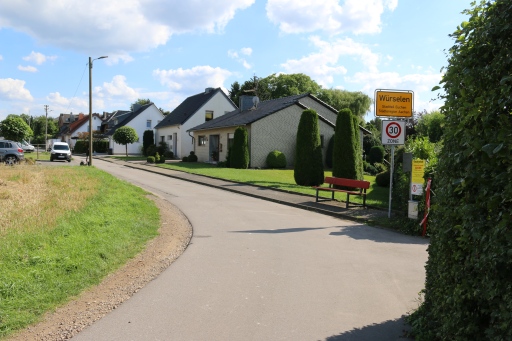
column 69, row 160
column 10, row 160
column 51, row 158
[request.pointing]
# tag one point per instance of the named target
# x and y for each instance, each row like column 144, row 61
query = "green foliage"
column 276, row 159
column 192, row 157
column 240, row 151
column 150, row 159
column 162, row 148
column 376, row 154
column 140, row 101
column 157, row 157
column 15, row 128
column 347, row 158
column 369, row 141
column 308, row 168
column 468, row 292
column 382, row 179
column 431, row 125
column 125, row 135
column 328, row 152
column 148, row 139
column 358, row 102
column 184, row 159
column 151, row 150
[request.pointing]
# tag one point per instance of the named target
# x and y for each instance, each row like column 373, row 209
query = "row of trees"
column 25, row 127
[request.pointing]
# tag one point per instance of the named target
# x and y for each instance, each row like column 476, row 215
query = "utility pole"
column 46, row 107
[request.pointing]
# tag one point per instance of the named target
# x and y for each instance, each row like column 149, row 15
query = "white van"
column 60, row 151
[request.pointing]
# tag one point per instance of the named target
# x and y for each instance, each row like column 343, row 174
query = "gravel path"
column 68, row 320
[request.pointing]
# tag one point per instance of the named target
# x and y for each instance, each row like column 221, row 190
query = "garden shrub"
column 150, row 159
column 239, row 153
column 157, row 157
column 380, row 167
column 369, row 169
column 308, row 168
column 276, row 159
column 162, row 148
column 184, row 159
column 328, row 152
column 192, row 157
column 468, row 292
column 151, row 150
column 169, row 154
column 382, row 179
column 162, row 159
column 377, row 154
column 148, row 139
column 344, row 163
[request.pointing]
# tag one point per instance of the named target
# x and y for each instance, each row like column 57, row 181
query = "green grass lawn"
column 47, row 262
column 281, row 179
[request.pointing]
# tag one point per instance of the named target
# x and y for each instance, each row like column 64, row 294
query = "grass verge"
column 65, row 229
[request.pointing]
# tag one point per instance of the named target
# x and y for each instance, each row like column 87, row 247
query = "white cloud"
column 27, row 68
column 1, row 58
column 56, row 99
column 118, row 88
column 38, row 58
column 117, row 26
column 14, row 89
column 333, row 16
column 323, row 65
column 235, row 55
column 192, row 80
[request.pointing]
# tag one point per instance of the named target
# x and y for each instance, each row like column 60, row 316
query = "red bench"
column 359, row 188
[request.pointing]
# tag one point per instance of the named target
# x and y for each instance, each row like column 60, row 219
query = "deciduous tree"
column 125, row 135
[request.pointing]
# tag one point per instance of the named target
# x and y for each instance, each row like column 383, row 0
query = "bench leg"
column 332, row 196
column 348, row 199
column 317, row 195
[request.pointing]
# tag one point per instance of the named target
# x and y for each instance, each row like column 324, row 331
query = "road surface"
column 257, row 270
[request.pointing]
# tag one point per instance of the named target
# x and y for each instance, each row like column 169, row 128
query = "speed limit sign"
column 393, row 132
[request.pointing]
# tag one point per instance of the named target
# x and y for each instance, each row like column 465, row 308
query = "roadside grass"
column 129, row 158
column 281, row 179
column 62, row 229
column 43, row 156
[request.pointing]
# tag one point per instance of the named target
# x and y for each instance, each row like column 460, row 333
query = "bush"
column 276, row 159
column 377, row 154
column 184, row 159
column 345, row 161
column 382, row 179
column 169, row 154
column 192, row 157
column 148, row 139
column 162, row 148
column 309, row 167
column 380, row 167
column 239, row 153
column 328, row 152
column 151, row 150
column 162, row 159
column 150, row 159
column 370, row 169
column 157, row 157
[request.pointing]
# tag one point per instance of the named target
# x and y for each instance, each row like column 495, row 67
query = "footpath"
column 302, row 201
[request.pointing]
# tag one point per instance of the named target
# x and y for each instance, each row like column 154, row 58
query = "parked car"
column 10, row 152
column 27, row 147
column 60, row 151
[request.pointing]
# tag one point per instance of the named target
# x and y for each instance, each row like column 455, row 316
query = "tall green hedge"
column 148, row 139
column 468, row 290
column 239, row 153
column 308, row 168
column 347, row 155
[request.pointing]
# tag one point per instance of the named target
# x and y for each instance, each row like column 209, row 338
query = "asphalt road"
column 257, row 270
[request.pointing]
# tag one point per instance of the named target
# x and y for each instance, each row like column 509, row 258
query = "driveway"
column 257, row 270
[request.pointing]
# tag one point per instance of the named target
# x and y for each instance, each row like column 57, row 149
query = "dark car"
column 10, row 152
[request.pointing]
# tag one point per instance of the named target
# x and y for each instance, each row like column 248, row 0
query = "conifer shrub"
column 157, row 157
column 148, row 139
column 150, row 159
column 276, row 159
column 376, row 154
column 308, row 168
column 382, row 179
column 192, row 157
column 347, row 157
column 328, row 152
column 151, row 150
column 239, row 153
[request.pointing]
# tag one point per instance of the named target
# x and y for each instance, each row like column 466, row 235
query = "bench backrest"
column 347, row 182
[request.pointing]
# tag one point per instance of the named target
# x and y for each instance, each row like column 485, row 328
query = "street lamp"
column 90, row 107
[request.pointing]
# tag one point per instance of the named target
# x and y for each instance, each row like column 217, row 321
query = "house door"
column 214, row 148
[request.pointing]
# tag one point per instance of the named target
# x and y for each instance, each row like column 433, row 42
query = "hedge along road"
column 257, row 270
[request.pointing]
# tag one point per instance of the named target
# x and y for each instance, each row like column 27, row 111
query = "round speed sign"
column 393, row 132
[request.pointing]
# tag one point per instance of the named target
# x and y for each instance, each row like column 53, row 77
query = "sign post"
column 393, row 133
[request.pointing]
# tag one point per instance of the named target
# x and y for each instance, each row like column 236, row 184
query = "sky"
column 168, row 50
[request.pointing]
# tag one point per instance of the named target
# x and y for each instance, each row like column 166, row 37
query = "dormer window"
column 208, row 115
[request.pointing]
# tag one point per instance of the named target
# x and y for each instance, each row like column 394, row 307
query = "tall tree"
column 358, row 102
column 469, row 269
column 15, row 128
column 308, row 169
column 431, row 125
column 140, row 101
column 125, row 135
column 345, row 153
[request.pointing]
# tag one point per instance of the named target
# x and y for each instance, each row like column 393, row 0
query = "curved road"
column 257, row 270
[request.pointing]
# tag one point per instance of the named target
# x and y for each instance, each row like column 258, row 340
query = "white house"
column 81, row 125
column 195, row 110
column 141, row 118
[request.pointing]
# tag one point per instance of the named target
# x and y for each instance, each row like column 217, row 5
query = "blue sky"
column 167, row 50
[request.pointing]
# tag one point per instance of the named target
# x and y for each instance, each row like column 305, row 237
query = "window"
column 169, row 137
column 201, row 140
column 208, row 116
column 148, row 124
column 162, row 138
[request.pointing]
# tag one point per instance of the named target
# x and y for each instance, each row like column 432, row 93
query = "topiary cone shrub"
column 239, row 153
column 276, row 159
column 308, row 169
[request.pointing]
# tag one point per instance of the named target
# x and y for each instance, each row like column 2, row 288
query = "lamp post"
column 90, row 107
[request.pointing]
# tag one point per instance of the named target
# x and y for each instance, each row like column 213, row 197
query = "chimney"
column 208, row 90
column 247, row 102
column 136, row 107
column 80, row 116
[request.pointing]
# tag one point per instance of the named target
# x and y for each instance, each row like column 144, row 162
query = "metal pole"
column 391, row 178
column 90, row 111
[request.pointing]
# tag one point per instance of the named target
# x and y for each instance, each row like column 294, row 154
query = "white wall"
column 139, row 124
column 219, row 104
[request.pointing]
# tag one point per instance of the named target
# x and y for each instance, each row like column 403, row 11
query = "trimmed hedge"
column 309, row 167
column 276, row 159
column 239, row 153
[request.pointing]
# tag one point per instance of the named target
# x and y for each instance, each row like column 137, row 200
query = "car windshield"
column 61, row 147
